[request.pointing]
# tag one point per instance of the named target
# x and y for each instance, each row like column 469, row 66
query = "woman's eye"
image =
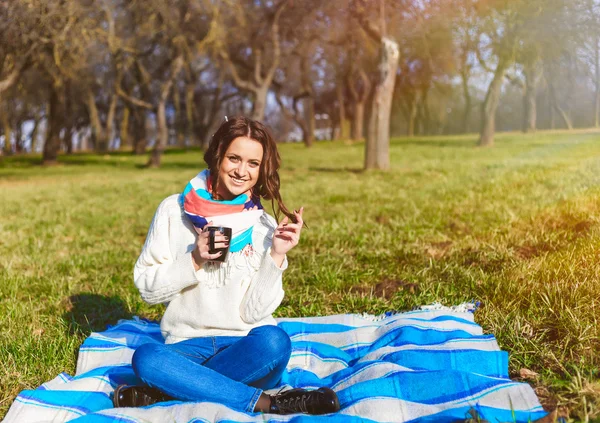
column 253, row 164
column 233, row 159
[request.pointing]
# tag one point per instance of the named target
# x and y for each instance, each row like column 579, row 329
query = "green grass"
column 516, row 227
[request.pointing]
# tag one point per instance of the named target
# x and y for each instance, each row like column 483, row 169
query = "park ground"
column 515, row 226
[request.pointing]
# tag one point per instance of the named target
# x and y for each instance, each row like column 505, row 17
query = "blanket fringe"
column 468, row 307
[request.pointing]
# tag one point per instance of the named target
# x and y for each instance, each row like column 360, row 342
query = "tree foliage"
column 134, row 74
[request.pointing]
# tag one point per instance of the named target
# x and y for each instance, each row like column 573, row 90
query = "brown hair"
column 268, row 183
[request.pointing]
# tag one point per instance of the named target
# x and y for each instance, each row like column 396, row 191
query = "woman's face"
column 240, row 168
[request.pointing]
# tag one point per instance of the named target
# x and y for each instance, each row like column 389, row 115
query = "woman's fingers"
column 291, row 227
column 214, row 256
column 220, row 241
column 286, row 236
column 220, row 238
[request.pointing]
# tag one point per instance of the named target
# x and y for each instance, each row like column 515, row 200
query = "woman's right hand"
column 201, row 254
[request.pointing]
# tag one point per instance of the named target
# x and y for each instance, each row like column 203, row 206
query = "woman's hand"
column 201, row 253
column 286, row 237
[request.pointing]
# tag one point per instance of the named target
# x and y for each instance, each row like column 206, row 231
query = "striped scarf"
column 200, row 207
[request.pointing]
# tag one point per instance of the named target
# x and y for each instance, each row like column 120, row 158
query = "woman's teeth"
column 238, row 181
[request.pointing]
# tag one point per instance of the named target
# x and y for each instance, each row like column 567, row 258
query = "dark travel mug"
column 212, row 230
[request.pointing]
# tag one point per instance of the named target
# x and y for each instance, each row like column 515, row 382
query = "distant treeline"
column 106, row 74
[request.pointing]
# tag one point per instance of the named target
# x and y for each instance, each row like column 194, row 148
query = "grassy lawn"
column 516, row 227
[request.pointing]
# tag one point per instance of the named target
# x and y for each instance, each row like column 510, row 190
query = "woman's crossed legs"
column 227, row 370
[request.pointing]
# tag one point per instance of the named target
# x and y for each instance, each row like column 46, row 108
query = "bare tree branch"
column 235, row 75
column 276, row 43
column 132, row 100
column 257, row 67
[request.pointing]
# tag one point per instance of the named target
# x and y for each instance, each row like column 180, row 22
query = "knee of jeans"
column 145, row 359
column 275, row 341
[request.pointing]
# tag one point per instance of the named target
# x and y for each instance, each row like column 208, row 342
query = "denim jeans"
column 230, row 370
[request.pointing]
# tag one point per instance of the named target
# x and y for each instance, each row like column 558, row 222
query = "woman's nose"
column 241, row 169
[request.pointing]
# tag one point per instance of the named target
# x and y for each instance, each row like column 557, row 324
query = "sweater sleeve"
column 158, row 274
column 265, row 291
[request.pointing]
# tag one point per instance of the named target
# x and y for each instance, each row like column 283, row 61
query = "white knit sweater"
column 226, row 299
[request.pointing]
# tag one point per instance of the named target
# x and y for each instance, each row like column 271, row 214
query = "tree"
column 59, row 28
column 156, row 58
column 243, row 40
column 15, row 46
column 465, row 38
column 377, row 154
column 587, row 13
column 501, row 25
column 105, row 66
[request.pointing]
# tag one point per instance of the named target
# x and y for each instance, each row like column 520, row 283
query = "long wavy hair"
column 268, row 184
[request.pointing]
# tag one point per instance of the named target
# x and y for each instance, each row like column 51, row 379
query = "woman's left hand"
column 286, row 236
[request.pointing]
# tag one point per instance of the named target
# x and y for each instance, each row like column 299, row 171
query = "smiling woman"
column 221, row 342
column 240, row 168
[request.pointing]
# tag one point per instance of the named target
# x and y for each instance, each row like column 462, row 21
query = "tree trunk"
column 162, row 135
column 68, row 139
column 377, row 148
column 359, row 97
column 341, row 115
column 425, row 112
column 189, row 113
column 19, row 137
column 359, row 120
column 597, row 82
column 54, row 123
column 33, row 134
column 468, row 102
column 412, row 117
column 309, row 118
column 532, row 76
column 98, row 132
column 110, row 119
column 260, row 103
column 7, row 129
column 206, row 139
column 557, row 107
column 530, row 107
column 564, row 116
column 124, row 128
column 161, row 116
column 179, row 118
column 139, row 131
column 490, row 105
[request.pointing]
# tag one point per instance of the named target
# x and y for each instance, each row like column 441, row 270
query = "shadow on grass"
column 336, row 169
column 433, row 142
column 87, row 313
column 112, row 158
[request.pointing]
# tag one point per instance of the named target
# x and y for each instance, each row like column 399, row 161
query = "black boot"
column 137, row 396
column 321, row 401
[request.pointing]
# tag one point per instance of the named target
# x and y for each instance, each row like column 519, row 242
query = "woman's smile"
column 238, row 181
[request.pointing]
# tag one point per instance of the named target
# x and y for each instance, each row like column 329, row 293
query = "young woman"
column 221, row 342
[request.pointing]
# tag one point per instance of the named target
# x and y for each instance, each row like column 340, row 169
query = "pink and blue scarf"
column 200, row 207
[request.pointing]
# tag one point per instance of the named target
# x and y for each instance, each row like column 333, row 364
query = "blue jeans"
column 230, row 370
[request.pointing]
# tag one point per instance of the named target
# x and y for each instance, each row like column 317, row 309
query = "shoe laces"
column 293, row 400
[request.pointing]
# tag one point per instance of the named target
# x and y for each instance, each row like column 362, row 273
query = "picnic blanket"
column 428, row 365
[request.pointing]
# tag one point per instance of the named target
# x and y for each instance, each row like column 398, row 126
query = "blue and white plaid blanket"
column 429, row 365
